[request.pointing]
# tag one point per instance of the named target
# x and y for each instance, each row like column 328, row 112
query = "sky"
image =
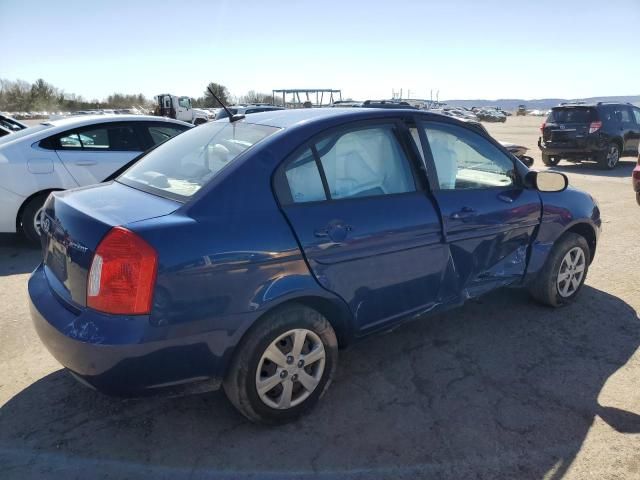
column 463, row 49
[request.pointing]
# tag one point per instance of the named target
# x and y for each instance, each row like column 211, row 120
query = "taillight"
column 594, row 127
column 542, row 127
column 123, row 274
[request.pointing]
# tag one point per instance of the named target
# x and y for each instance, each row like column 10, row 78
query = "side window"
column 95, row 139
column 625, row 115
column 365, row 162
column 303, row 179
column 161, row 133
column 184, row 102
column 636, row 114
column 113, row 138
column 70, row 140
column 465, row 160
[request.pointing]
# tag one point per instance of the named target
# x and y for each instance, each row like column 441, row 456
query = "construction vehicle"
column 179, row 108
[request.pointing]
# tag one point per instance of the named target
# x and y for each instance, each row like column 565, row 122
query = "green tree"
column 256, row 97
column 221, row 92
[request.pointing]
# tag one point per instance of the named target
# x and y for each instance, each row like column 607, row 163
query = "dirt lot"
column 502, row 388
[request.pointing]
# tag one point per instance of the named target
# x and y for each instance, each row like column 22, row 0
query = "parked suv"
column 600, row 132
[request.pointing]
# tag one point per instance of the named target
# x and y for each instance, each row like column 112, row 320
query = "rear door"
column 91, row 154
column 489, row 218
column 630, row 128
column 367, row 225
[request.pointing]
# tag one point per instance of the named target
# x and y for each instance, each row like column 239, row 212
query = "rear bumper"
column 582, row 148
column 119, row 355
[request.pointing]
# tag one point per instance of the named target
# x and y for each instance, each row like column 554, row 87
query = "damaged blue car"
column 243, row 253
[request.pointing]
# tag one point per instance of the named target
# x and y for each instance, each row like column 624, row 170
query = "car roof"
column 82, row 120
column 293, row 117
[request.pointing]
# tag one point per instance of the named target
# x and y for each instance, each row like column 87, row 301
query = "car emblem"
column 562, row 127
column 46, row 224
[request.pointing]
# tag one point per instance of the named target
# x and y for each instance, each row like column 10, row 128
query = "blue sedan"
column 245, row 252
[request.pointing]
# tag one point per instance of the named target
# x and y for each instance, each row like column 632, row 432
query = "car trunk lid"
column 75, row 221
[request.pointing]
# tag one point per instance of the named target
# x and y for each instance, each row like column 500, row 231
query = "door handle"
column 86, row 163
column 336, row 231
column 505, row 198
column 465, row 212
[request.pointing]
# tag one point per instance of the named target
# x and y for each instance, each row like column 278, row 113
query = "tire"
column 199, row 121
column 250, row 365
column 609, row 159
column 638, row 198
column 550, row 160
column 28, row 222
column 547, row 288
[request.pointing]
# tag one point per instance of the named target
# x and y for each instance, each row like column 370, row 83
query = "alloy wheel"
column 290, row 369
column 613, row 156
column 37, row 221
column 571, row 272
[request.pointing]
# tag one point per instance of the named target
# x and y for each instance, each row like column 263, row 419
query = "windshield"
column 25, row 132
column 572, row 115
column 184, row 164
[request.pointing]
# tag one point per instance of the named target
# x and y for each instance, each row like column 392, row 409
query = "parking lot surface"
column 501, row 388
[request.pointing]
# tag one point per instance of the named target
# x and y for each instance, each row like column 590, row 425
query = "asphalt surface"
column 500, row 388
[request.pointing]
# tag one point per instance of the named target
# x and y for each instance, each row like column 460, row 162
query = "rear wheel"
column 609, row 160
column 283, row 366
column 550, row 160
column 30, row 218
column 638, row 198
column 564, row 272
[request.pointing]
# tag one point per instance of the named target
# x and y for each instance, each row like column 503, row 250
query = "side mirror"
column 547, row 181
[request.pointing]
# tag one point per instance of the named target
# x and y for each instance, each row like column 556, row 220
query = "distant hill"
column 537, row 104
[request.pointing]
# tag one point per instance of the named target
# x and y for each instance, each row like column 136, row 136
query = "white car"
column 68, row 153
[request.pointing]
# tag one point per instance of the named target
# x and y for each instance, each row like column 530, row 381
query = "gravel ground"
column 501, row 388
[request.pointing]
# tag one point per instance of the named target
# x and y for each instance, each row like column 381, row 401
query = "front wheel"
column 283, row 366
column 550, row 160
column 564, row 273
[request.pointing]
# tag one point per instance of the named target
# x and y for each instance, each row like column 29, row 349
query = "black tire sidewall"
column 27, row 218
column 567, row 243
column 243, row 371
column 603, row 161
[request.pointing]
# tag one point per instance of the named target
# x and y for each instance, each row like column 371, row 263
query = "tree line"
column 22, row 96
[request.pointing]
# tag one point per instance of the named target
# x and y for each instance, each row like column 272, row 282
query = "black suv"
column 600, row 132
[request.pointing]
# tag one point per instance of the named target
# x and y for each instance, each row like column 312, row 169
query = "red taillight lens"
column 542, row 127
column 122, row 274
column 594, row 127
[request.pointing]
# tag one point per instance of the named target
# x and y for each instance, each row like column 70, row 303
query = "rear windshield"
column 572, row 115
column 181, row 166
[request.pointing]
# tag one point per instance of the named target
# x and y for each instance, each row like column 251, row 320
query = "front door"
column 489, row 218
column 368, row 228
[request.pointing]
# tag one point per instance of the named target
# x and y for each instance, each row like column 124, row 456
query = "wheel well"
column 618, row 141
column 585, row 230
column 338, row 317
column 28, row 199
